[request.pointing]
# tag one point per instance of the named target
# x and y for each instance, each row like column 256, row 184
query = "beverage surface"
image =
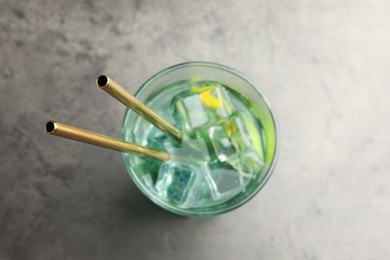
column 222, row 152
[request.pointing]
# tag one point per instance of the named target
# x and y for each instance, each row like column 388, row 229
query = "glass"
column 230, row 147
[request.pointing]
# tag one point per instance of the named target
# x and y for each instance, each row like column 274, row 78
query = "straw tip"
column 50, row 127
column 102, row 81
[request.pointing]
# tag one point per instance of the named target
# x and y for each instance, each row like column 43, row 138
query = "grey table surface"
column 324, row 65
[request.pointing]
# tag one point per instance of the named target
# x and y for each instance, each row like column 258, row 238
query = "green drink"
column 229, row 146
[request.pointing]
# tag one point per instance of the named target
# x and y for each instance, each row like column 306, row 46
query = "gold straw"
column 88, row 137
column 115, row 90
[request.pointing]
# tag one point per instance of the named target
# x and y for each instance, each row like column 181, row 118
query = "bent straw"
column 115, row 90
column 73, row 133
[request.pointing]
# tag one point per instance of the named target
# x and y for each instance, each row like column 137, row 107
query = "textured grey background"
column 324, row 65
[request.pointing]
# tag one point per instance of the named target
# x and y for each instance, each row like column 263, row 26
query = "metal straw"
column 70, row 132
column 118, row 92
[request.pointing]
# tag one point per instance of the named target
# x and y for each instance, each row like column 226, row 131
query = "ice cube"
column 238, row 131
column 201, row 106
column 251, row 163
column 202, row 196
column 225, row 182
column 228, row 138
column 175, row 181
column 222, row 145
column 234, row 162
column 247, row 163
column 227, row 179
column 202, row 190
column 191, row 151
